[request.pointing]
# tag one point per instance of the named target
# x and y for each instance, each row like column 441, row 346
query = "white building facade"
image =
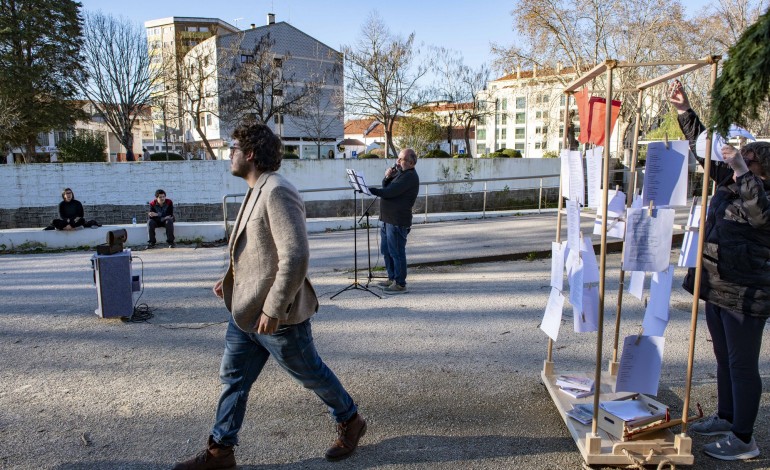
column 525, row 112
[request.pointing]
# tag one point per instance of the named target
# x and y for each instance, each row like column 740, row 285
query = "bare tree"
column 198, row 87
column 261, row 85
column 380, row 74
column 582, row 34
column 460, row 85
column 118, row 64
column 322, row 118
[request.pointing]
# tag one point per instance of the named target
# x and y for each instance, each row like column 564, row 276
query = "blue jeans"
column 737, row 340
column 393, row 248
column 245, row 356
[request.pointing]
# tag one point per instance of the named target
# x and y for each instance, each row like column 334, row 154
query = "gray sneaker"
column 732, row 448
column 711, row 426
column 385, row 283
column 394, row 289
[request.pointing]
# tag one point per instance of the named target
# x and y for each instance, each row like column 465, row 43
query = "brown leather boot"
column 348, row 434
column 213, row 457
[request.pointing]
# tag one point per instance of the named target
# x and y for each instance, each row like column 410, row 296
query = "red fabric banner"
column 592, row 111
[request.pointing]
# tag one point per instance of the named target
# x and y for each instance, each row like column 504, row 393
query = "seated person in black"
column 161, row 215
column 71, row 214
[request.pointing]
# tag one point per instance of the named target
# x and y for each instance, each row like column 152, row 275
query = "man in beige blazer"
column 271, row 300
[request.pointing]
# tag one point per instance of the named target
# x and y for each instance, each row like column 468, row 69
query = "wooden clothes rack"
column 595, row 445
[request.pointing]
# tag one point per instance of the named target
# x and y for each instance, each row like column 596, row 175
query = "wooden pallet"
column 604, row 449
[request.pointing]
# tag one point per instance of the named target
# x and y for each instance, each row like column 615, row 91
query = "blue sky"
column 462, row 25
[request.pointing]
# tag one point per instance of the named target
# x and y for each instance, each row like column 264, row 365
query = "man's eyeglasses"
column 233, row 149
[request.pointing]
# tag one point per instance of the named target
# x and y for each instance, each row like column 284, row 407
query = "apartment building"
column 525, row 111
column 298, row 61
column 168, row 41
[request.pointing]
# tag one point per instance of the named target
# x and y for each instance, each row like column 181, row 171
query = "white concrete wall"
column 189, row 182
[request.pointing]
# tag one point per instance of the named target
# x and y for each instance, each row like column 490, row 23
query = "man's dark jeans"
column 245, row 356
column 393, row 248
column 154, row 223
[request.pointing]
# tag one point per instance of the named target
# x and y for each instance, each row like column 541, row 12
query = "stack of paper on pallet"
column 574, row 386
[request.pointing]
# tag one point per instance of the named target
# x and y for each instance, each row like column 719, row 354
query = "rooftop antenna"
column 236, row 20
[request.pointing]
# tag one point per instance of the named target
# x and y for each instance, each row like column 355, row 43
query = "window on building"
column 502, row 146
column 504, row 104
column 521, row 118
column 497, row 134
column 277, row 62
column 537, row 145
column 481, row 134
column 247, row 58
column 43, row 139
column 521, row 102
column 277, row 92
column 519, row 133
column 503, row 119
column 192, row 29
column 518, row 146
column 561, row 131
column 563, row 100
column 203, row 29
column 208, row 119
column 482, row 120
column 203, row 121
column 278, row 119
column 503, row 134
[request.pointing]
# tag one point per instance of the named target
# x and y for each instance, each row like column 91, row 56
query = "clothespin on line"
column 649, row 209
column 639, row 336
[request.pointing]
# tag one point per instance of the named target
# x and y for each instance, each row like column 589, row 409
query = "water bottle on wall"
column 133, row 221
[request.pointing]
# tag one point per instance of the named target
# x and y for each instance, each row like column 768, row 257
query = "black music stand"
column 368, row 241
column 358, row 184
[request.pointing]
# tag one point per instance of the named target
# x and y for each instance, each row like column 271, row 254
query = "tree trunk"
column 468, row 141
column 128, row 143
column 209, row 150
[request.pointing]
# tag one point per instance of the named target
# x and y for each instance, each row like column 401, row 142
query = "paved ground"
column 447, row 375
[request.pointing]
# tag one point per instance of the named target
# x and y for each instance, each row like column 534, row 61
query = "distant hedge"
column 368, row 155
column 436, row 153
column 290, row 156
column 161, row 156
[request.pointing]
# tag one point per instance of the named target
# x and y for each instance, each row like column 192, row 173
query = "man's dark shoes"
column 213, row 457
column 150, row 246
column 348, row 434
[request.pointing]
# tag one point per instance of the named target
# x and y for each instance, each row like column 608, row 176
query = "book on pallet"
column 576, row 382
column 576, row 392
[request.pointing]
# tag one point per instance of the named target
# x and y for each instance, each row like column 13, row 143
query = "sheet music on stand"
column 358, row 182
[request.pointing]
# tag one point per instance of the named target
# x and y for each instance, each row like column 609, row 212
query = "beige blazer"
column 269, row 257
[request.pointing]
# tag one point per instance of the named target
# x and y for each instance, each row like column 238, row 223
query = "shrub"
column 497, row 154
column 380, row 153
column 511, row 153
column 551, row 154
column 290, row 156
column 367, row 155
column 161, row 156
column 83, row 146
column 436, row 153
column 461, row 155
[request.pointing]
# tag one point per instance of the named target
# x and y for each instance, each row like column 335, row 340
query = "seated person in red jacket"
column 161, row 215
column 71, row 214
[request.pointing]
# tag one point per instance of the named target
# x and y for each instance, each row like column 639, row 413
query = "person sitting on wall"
column 71, row 214
column 161, row 215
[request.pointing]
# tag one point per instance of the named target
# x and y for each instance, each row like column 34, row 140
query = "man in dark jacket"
column 71, row 214
column 735, row 283
column 161, row 215
column 398, row 193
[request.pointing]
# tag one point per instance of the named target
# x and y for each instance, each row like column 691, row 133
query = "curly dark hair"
column 259, row 139
column 762, row 151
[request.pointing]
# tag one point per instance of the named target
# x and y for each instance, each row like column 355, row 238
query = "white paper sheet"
column 660, row 293
column 357, row 181
column 553, row 312
column 654, row 326
column 558, row 252
column 594, row 176
column 576, row 181
column 573, row 225
column 616, row 207
column 648, row 240
column 665, row 174
column 590, row 267
column 576, row 287
column 688, row 256
column 564, row 172
column 589, row 318
column 636, row 284
column 640, row 364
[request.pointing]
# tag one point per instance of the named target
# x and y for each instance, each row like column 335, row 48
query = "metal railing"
column 426, row 191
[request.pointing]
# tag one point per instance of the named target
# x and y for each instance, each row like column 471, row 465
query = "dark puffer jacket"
column 736, row 252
